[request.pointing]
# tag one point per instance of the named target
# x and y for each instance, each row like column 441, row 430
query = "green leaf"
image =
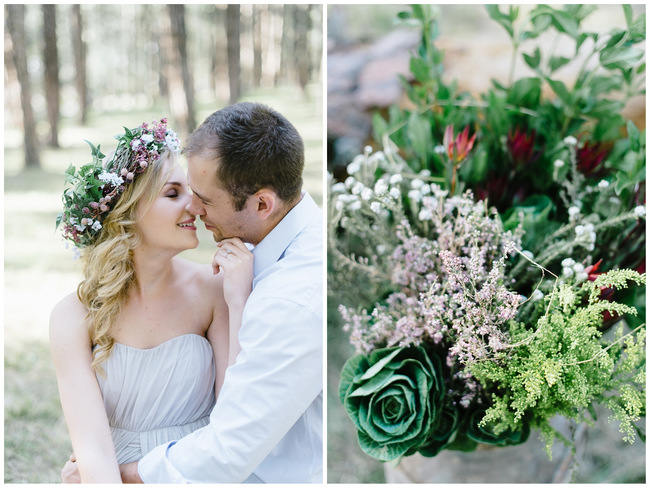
column 541, row 23
column 637, row 29
column 634, row 136
column 534, row 59
column 604, row 84
column 58, row 220
column 404, row 15
column 525, row 35
column 525, row 92
column 533, row 215
column 580, row 40
column 379, row 126
column 604, row 107
column 579, row 11
column 617, row 37
column 418, row 131
column 513, row 13
column 502, row 19
column 561, row 91
column 563, row 22
column 376, row 367
column 629, row 15
column 349, row 372
column 557, row 62
column 620, row 57
column 71, row 169
column 418, row 11
column 420, row 69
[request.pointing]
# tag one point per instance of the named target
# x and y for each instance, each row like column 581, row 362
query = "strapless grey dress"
column 154, row 396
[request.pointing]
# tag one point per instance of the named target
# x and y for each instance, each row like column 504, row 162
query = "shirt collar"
column 271, row 248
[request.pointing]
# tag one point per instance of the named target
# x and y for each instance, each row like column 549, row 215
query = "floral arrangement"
column 93, row 189
column 480, row 275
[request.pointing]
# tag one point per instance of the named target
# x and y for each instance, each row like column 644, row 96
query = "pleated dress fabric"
column 154, row 396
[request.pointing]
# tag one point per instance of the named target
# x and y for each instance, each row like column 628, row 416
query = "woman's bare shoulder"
column 68, row 318
column 200, row 276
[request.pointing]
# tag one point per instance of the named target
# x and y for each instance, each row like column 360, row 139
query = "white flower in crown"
column 112, row 178
column 172, row 142
column 146, row 138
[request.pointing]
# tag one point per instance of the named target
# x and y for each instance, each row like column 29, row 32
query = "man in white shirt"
column 245, row 170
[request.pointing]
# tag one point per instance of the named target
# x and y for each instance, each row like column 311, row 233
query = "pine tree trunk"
column 257, row 45
column 301, row 44
column 15, row 24
column 163, row 40
column 234, row 66
column 51, row 63
column 79, row 50
column 183, row 90
column 286, row 44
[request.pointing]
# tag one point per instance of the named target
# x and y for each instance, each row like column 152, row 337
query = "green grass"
column 39, row 271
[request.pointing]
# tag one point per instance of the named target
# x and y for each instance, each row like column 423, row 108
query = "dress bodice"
column 153, row 396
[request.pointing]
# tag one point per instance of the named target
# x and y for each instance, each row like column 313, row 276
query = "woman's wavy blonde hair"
column 108, row 266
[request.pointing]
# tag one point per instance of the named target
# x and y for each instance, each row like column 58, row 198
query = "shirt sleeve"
column 277, row 375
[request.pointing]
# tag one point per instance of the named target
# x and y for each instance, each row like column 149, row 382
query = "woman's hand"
column 70, row 472
column 236, row 262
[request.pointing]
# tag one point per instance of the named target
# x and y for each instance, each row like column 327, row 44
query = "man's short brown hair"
column 256, row 147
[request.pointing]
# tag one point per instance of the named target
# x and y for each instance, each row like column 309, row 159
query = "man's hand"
column 129, row 473
column 236, row 262
column 70, row 472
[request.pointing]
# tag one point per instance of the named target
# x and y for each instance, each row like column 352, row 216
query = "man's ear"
column 266, row 202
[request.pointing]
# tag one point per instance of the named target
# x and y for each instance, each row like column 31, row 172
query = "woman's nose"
column 194, row 206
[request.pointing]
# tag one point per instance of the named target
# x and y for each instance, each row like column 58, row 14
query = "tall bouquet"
column 490, row 263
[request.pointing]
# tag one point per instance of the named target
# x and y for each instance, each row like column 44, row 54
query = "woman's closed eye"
column 172, row 194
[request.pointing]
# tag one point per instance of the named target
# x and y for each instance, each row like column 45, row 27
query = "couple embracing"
column 176, row 372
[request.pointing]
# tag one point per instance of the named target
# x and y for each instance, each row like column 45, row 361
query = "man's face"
column 213, row 204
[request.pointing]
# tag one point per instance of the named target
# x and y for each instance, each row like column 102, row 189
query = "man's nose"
column 195, row 207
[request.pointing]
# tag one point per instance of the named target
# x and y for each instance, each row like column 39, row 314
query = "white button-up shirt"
column 267, row 422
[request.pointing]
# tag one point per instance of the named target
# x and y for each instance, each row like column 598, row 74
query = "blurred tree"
column 15, row 25
column 79, row 51
column 233, row 24
column 257, row 44
column 301, row 27
column 162, row 40
column 286, row 44
column 51, row 63
column 181, row 90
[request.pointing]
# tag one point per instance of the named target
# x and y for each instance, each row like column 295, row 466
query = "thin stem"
column 453, row 178
column 606, row 349
column 513, row 60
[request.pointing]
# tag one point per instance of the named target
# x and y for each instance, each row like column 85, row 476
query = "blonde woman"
column 141, row 349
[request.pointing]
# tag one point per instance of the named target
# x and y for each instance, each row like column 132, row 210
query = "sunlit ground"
column 39, row 271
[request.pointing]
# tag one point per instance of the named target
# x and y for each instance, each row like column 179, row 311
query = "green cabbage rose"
column 486, row 434
column 394, row 397
column 444, row 434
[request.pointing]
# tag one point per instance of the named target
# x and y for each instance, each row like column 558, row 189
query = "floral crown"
column 93, row 189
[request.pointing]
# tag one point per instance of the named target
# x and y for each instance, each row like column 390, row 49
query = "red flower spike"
column 591, row 270
column 590, row 157
column 458, row 149
column 448, row 141
column 521, row 146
